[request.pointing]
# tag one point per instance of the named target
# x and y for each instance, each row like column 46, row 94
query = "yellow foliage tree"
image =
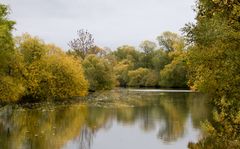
column 50, row 73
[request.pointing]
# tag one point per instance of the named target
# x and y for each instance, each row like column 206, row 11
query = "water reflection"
column 79, row 125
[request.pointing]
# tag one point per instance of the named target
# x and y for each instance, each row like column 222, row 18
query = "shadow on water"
column 161, row 116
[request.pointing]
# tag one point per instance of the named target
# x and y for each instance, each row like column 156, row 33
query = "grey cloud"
column 112, row 22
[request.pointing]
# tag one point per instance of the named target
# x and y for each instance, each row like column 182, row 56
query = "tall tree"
column 215, row 68
column 11, row 87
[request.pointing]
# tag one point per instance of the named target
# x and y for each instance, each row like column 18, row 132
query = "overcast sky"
column 112, row 22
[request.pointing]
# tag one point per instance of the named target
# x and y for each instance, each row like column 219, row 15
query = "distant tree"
column 98, row 51
column 174, row 74
column 138, row 77
column 82, row 44
column 99, row 73
column 121, row 71
column 129, row 53
column 142, row 68
column 151, row 79
column 160, row 59
column 126, row 52
column 170, row 41
column 148, row 48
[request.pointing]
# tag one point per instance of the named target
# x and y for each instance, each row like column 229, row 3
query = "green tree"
column 148, row 48
column 160, row 59
column 128, row 53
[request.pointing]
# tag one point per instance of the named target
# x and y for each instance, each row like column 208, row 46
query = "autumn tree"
column 214, row 68
column 11, row 87
column 49, row 73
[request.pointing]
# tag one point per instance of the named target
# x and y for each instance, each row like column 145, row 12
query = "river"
column 116, row 119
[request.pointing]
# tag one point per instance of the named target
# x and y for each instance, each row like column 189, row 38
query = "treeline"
column 32, row 70
column 147, row 66
column 214, row 64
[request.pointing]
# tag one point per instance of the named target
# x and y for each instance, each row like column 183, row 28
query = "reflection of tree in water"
column 147, row 123
column 200, row 109
column 176, row 109
column 40, row 128
column 169, row 111
column 5, row 126
column 55, row 126
column 84, row 140
column 175, row 114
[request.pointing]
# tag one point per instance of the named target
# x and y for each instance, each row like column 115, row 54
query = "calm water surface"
column 117, row 119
